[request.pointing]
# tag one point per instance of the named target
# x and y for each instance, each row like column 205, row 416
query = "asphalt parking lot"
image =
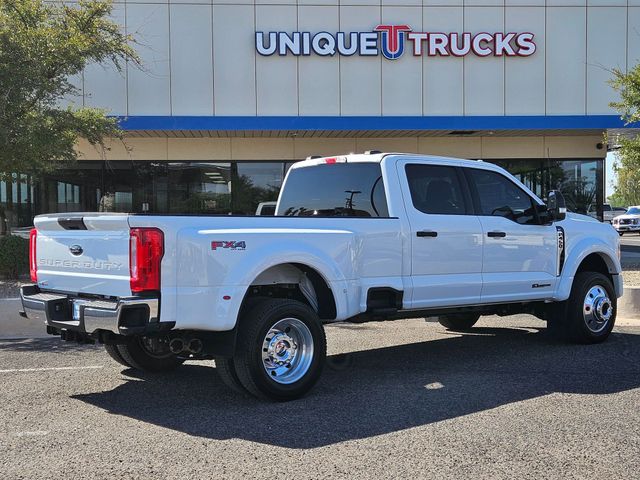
column 503, row 401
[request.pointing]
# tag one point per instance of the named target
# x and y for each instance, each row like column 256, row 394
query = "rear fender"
column 276, row 268
column 218, row 307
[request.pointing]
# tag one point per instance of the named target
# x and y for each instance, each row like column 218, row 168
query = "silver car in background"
column 608, row 212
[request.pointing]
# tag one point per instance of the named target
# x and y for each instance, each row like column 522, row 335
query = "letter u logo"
column 392, row 40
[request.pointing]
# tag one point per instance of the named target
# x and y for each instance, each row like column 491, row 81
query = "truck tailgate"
column 83, row 253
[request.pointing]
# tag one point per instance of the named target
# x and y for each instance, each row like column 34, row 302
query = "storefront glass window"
column 230, row 187
column 14, row 187
column 256, row 182
column 24, row 189
column 580, row 181
column 194, row 187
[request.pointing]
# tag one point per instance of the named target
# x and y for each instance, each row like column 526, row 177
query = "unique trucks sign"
column 390, row 41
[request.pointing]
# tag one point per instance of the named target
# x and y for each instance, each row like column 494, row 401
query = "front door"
column 446, row 238
column 520, row 254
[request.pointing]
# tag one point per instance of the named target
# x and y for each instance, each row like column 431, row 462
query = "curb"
column 629, row 306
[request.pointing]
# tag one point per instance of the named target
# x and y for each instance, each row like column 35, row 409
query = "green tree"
column 627, row 166
column 42, row 46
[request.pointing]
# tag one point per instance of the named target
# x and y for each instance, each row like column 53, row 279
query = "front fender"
column 576, row 254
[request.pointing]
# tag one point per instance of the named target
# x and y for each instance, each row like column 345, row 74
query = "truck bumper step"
column 122, row 316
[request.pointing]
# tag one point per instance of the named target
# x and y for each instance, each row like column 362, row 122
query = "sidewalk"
column 11, row 288
column 13, row 325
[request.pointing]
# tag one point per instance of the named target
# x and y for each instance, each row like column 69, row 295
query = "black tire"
column 139, row 357
column 460, row 322
column 254, row 326
column 227, row 371
column 570, row 320
column 114, row 353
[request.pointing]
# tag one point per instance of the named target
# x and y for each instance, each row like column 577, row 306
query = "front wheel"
column 590, row 312
column 281, row 349
column 149, row 354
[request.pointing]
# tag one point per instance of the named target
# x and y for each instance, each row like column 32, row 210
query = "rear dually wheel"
column 281, row 349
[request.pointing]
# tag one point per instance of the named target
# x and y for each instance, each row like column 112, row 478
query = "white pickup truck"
column 355, row 238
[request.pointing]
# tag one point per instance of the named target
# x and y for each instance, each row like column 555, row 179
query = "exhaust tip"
column 195, row 345
column 176, row 346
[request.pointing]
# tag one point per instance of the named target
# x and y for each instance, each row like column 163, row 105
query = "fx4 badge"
column 233, row 245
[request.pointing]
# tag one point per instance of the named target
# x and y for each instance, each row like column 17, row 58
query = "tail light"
column 146, row 248
column 33, row 264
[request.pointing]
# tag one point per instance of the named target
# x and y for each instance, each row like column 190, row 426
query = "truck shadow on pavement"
column 384, row 390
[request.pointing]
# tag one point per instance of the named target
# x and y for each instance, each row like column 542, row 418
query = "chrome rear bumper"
column 124, row 316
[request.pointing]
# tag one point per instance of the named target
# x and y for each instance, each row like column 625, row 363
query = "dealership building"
column 232, row 92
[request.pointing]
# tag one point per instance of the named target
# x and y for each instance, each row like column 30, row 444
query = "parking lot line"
column 48, row 369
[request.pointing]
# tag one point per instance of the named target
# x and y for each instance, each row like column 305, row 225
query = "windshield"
column 633, row 211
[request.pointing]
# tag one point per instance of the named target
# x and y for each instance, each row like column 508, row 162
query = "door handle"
column 496, row 234
column 427, row 233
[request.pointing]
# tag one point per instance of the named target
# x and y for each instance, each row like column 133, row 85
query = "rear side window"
column 334, row 190
column 499, row 196
column 435, row 189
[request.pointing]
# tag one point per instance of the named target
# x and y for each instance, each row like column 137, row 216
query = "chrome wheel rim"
column 287, row 351
column 597, row 309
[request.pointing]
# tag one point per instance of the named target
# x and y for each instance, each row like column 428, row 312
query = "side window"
column 499, row 196
column 435, row 189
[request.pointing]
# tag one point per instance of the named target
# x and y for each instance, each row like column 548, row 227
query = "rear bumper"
column 122, row 316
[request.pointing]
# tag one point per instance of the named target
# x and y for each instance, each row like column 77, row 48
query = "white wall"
column 199, row 59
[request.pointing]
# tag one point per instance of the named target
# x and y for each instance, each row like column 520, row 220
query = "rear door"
column 520, row 255
column 446, row 237
column 86, row 253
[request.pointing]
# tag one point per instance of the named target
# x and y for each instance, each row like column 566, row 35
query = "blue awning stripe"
column 233, row 123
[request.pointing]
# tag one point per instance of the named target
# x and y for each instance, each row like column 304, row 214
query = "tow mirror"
column 556, row 205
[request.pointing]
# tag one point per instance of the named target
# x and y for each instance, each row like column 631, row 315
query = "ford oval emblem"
column 76, row 250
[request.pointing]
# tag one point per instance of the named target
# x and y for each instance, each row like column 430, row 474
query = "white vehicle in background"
column 266, row 209
column 355, row 238
column 628, row 222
